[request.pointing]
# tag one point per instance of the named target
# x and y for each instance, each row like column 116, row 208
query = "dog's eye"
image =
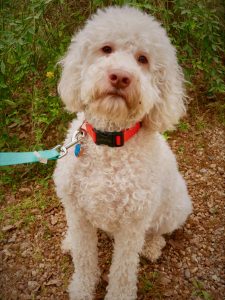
column 107, row 49
column 142, row 59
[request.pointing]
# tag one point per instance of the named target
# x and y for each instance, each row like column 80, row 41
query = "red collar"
column 111, row 139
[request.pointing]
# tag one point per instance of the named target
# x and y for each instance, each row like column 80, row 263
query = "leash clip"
column 78, row 135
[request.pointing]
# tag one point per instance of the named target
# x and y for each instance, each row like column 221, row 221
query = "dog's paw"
column 153, row 248
column 77, row 291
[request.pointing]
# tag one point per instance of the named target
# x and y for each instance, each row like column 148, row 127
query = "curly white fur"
column 134, row 192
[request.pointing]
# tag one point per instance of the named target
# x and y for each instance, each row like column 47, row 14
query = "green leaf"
column 2, row 67
column 10, row 102
column 3, row 85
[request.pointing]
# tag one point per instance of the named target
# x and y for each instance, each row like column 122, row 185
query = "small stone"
column 53, row 282
column 169, row 293
column 12, row 239
column 8, row 228
column 25, row 297
column 215, row 277
column 24, row 246
column 213, row 166
column 54, row 220
column 194, row 270
column 33, row 285
column 25, row 253
column 21, row 287
column 194, row 258
column 13, row 295
column 221, row 170
column 165, row 280
column 6, row 252
column 187, row 273
column 212, row 210
column 25, row 190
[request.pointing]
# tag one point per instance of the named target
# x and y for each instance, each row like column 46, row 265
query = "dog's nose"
column 119, row 79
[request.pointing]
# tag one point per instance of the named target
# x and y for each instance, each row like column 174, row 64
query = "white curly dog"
column 121, row 74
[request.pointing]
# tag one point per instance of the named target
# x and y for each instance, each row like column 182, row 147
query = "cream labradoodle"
column 121, row 74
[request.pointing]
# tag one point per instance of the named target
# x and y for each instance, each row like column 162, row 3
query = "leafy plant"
column 35, row 35
column 183, row 126
column 200, row 124
column 200, row 290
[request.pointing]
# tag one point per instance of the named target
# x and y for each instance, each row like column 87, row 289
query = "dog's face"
column 122, row 67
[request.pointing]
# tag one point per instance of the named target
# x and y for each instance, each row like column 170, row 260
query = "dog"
column 121, row 75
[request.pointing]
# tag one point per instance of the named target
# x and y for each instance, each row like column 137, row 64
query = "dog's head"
column 121, row 67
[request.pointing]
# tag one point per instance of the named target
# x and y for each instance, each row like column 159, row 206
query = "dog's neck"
column 104, row 124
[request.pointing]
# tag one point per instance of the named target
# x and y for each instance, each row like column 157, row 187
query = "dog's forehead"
column 126, row 25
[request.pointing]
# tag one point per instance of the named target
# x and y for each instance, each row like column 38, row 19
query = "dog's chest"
column 112, row 186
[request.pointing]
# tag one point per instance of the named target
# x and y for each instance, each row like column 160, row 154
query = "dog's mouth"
column 114, row 94
column 116, row 98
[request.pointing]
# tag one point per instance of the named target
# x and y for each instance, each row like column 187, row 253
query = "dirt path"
column 192, row 264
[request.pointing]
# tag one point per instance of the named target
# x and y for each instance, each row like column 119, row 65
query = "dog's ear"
column 69, row 84
column 168, row 81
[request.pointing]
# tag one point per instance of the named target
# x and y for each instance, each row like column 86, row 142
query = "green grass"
column 181, row 149
column 200, row 124
column 183, row 126
column 22, row 211
column 219, row 108
column 150, row 285
column 166, row 135
column 200, row 291
column 25, row 209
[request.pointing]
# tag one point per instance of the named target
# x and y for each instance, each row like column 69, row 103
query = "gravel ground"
column 192, row 264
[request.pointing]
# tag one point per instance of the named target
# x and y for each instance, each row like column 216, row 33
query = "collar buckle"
column 111, row 139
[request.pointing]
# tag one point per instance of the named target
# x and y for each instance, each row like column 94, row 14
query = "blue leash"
column 15, row 158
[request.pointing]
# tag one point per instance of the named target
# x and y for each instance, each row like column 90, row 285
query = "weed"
column 65, row 263
column 183, row 126
column 19, row 211
column 47, row 232
column 149, row 285
column 181, row 149
column 219, row 108
column 200, row 124
column 166, row 135
column 25, row 210
column 200, row 146
column 221, row 114
column 38, row 255
column 29, row 103
column 200, row 291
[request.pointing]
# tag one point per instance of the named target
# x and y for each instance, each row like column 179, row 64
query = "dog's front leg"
column 123, row 271
column 85, row 257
